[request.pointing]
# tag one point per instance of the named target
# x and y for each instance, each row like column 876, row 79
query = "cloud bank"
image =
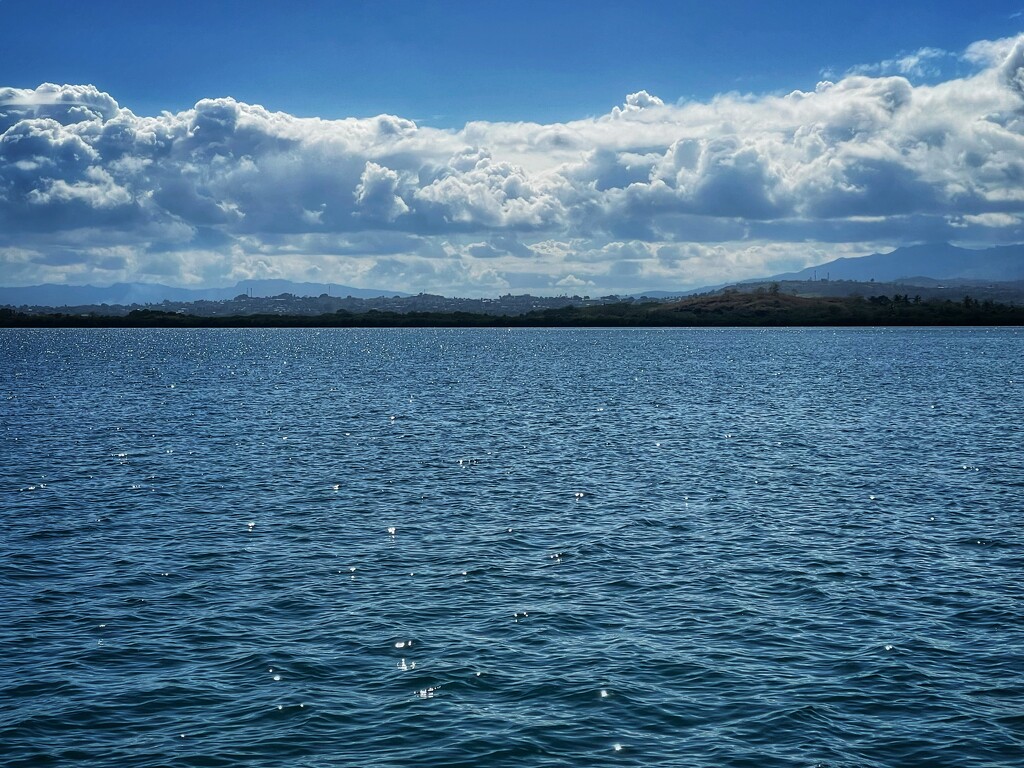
column 649, row 195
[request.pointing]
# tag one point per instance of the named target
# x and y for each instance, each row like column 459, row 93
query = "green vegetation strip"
column 753, row 310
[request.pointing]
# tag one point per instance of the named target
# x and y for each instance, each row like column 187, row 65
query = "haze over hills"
column 52, row 295
column 913, row 264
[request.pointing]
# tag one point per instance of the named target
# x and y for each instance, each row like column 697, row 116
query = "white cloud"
column 922, row 63
column 647, row 195
column 571, row 281
column 635, row 102
column 96, row 189
column 996, row 220
column 1012, row 68
column 376, row 193
column 988, row 53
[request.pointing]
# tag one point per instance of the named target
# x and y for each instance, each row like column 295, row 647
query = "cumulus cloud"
column 376, row 193
column 571, row 281
column 647, row 195
column 987, row 53
column 636, row 102
column 1012, row 69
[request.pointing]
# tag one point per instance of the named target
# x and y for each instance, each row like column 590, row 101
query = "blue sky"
column 444, row 62
column 542, row 146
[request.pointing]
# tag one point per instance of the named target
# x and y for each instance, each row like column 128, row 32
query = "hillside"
column 1009, row 292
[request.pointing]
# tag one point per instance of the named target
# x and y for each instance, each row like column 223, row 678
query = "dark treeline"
column 759, row 309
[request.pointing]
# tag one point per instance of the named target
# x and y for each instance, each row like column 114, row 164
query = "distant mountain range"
column 51, row 295
column 939, row 262
column 915, row 264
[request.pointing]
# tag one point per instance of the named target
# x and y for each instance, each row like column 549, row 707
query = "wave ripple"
column 538, row 547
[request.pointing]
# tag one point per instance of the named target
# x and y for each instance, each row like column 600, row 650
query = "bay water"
column 444, row 547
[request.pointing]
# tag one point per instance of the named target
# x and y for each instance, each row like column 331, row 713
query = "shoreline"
column 748, row 310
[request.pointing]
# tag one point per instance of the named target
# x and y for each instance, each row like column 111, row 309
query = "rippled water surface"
column 512, row 548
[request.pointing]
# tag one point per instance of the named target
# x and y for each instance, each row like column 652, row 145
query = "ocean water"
column 512, row 548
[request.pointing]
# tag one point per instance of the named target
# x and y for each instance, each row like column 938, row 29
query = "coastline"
column 711, row 311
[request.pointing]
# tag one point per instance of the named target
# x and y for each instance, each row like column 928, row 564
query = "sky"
column 480, row 148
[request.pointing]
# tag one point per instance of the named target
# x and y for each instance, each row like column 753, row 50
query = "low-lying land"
column 759, row 308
